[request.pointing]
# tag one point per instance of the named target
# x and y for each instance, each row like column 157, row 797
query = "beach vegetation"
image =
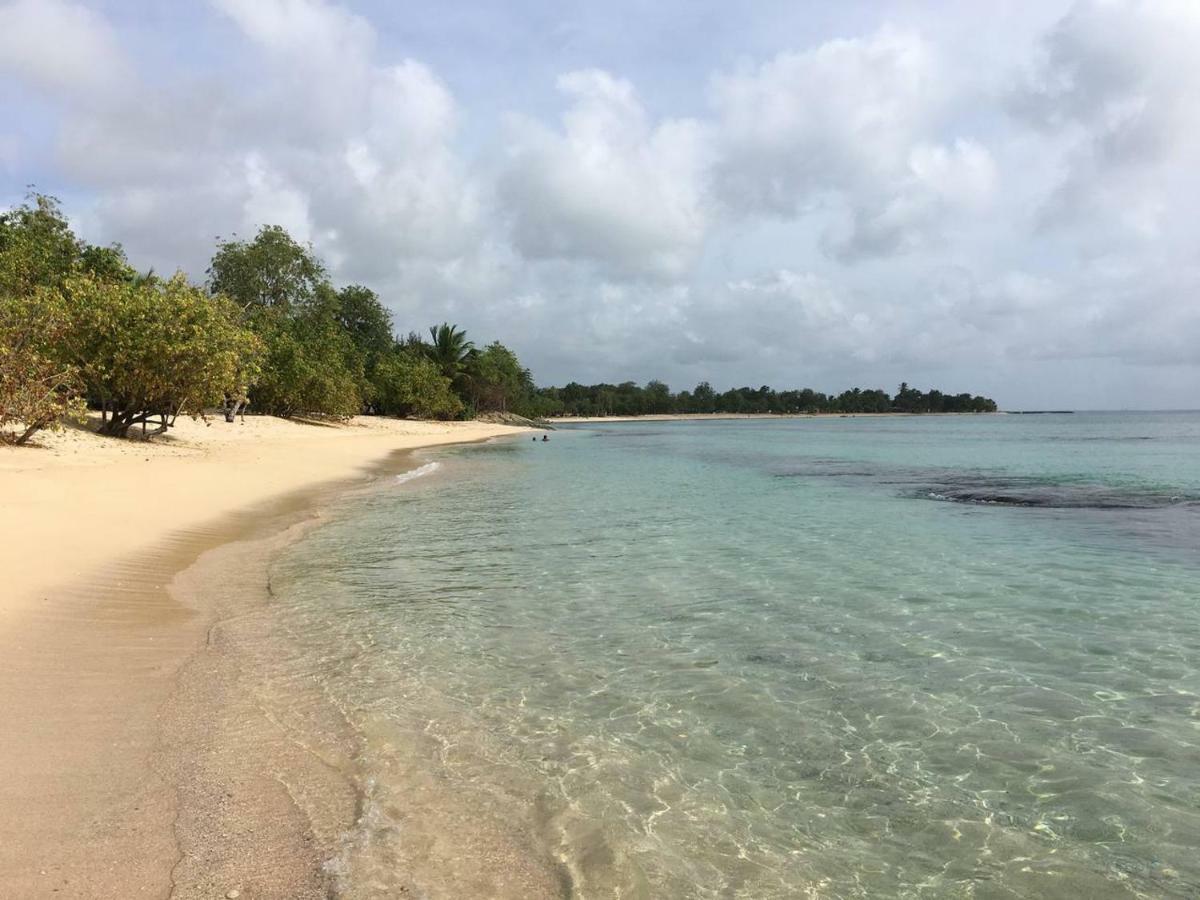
column 450, row 350
column 38, row 389
column 494, row 379
column 272, row 271
column 151, row 349
column 408, row 383
column 630, row 399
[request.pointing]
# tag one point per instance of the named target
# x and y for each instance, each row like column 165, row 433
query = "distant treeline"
column 655, row 398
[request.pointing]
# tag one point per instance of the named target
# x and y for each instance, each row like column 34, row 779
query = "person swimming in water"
column 545, row 437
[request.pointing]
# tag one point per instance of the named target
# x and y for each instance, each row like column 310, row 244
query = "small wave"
column 428, row 469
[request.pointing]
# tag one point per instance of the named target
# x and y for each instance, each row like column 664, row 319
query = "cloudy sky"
column 994, row 196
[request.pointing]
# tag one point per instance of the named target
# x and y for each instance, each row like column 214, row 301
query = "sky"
column 995, row 197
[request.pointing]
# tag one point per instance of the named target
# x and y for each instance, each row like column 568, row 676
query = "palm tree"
column 450, row 350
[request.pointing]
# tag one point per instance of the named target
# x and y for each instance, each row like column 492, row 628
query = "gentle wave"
column 428, row 469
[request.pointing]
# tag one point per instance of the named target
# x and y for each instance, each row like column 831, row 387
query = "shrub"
column 407, row 383
column 37, row 389
column 308, row 369
column 151, row 349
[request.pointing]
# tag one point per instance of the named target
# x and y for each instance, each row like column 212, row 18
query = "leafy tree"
column 307, row 370
column 364, row 318
column 408, row 383
column 450, row 350
column 628, row 399
column 314, row 364
column 154, row 349
column 496, row 379
column 37, row 389
column 38, row 249
column 272, row 271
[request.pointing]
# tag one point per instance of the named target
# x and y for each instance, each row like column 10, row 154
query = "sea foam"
column 428, row 469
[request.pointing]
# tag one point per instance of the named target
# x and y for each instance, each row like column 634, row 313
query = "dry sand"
column 130, row 763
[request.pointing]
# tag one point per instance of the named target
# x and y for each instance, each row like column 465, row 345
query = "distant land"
column 655, row 398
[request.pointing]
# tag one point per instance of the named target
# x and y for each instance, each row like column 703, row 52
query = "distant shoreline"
column 709, row 417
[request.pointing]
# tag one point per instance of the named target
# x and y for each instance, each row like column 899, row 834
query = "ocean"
column 943, row 656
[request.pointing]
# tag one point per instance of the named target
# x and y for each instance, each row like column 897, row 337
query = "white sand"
column 82, row 501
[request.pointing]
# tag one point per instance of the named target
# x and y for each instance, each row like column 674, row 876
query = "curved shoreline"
column 89, row 801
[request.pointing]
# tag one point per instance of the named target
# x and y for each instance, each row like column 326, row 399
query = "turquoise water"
column 864, row 657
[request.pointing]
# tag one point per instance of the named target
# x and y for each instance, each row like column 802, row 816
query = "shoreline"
column 107, row 717
column 712, row 417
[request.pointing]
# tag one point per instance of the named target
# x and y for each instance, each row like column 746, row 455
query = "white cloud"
column 848, row 130
column 827, row 119
column 610, row 188
column 61, row 47
column 1114, row 90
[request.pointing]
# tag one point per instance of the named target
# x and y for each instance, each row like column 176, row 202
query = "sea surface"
column 834, row 657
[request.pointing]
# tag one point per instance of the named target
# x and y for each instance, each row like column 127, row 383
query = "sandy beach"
column 130, row 764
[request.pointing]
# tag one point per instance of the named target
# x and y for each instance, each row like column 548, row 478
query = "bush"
column 308, row 369
column 151, row 349
column 37, row 389
column 407, row 383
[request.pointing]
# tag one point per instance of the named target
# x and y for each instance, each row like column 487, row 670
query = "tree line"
column 81, row 328
column 268, row 329
column 655, row 398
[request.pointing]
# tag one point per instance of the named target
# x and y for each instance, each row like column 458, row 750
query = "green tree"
column 154, row 349
column 365, row 319
column 38, row 249
column 308, row 368
column 314, row 365
column 37, row 388
column 450, row 350
column 496, row 379
column 272, row 271
column 408, row 383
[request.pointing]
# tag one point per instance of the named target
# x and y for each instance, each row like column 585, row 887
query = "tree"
column 314, row 364
column 38, row 249
column 495, row 378
column 272, row 271
column 37, row 389
column 154, row 349
column 450, row 350
column 365, row 319
column 408, row 383
column 308, row 368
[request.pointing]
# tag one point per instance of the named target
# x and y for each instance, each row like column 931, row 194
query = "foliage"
column 272, row 271
column 154, row 349
column 450, row 350
column 496, row 380
column 309, row 369
column 363, row 317
column 628, row 399
column 38, row 249
column 319, row 341
column 408, row 383
column 37, row 389
column 77, row 320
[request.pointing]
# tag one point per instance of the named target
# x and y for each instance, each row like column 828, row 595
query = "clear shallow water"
column 944, row 656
